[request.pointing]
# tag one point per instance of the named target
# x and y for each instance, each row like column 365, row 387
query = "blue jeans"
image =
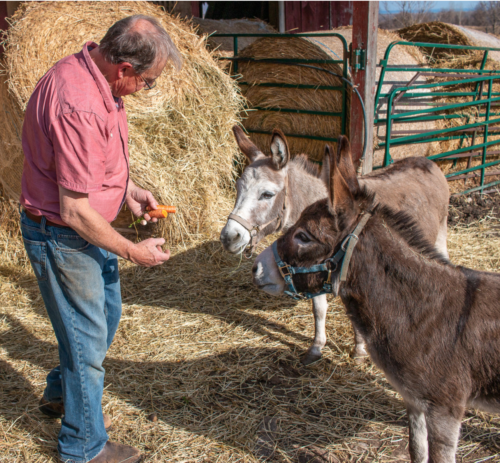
column 80, row 286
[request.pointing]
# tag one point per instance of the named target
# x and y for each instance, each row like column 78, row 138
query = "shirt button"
column 111, row 134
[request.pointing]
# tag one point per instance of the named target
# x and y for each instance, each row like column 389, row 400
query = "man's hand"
column 77, row 213
column 138, row 199
column 148, row 253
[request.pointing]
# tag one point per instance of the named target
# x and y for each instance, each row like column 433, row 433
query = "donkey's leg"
column 320, row 306
column 441, row 240
column 443, row 430
column 419, row 450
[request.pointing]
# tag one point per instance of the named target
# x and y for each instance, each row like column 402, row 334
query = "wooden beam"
column 340, row 14
column 364, row 36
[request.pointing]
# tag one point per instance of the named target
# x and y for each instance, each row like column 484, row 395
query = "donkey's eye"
column 266, row 195
column 303, row 237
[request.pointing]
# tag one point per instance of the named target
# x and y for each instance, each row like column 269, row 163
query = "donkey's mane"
column 403, row 224
column 303, row 162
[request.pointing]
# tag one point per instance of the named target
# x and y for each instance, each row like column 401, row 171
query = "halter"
column 342, row 256
column 255, row 229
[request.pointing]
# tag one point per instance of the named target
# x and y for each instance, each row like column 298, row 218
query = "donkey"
column 433, row 328
column 274, row 190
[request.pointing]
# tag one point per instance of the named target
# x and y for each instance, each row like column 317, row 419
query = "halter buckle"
column 287, row 268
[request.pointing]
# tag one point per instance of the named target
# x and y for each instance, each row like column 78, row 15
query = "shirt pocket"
column 37, row 253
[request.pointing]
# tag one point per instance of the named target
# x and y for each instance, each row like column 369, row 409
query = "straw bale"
column 308, row 99
column 324, row 126
column 11, row 150
column 181, row 145
column 232, row 26
column 452, row 34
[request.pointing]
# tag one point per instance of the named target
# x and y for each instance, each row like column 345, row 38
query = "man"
column 75, row 181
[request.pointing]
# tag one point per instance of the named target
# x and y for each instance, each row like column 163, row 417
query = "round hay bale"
column 322, row 100
column 11, row 150
column 290, row 98
column 225, row 45
column 439, row 32
column 399, row 56
column 180, row 139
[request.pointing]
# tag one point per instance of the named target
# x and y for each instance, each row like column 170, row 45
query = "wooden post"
column 364, row 36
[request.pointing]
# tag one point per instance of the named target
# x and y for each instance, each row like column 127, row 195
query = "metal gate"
column 343, row 88
column 470, row 116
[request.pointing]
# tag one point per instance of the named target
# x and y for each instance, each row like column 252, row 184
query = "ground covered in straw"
column 217, row 362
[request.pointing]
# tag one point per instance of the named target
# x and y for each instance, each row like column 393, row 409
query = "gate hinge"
column 357, row 58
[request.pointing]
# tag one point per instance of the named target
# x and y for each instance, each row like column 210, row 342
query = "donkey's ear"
column 345, row 164
column 339, row 193
column 246, row 146
column 280, row 153
column 325, row 166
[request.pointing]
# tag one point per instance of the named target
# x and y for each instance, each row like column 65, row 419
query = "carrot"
column 169, row 209
column 158, row 214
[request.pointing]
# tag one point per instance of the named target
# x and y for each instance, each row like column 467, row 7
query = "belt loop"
column 42, row 224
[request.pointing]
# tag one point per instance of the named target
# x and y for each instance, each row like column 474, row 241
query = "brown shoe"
column 117, row 453
column 56, row 410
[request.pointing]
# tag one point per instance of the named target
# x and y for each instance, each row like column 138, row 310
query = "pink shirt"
column 75, row 135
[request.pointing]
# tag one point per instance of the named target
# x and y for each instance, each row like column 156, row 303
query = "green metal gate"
column 343, row 88
column 476, row 114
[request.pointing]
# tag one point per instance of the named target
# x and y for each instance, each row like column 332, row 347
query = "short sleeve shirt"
column 74, row 135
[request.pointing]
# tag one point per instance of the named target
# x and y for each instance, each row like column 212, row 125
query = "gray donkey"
column 274, row 190
column 433, row 328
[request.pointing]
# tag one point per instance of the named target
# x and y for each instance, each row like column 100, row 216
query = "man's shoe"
column 117, row 453
column 56, row 410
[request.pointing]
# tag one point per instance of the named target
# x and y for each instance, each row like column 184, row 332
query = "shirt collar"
column 100, row 80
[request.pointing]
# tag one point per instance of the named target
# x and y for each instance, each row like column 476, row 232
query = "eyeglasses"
column 148, row 85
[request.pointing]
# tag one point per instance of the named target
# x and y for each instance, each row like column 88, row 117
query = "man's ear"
column 339, row 193
column 280, row 153
column 345, row 164
column 245, row 145
column 123, row 69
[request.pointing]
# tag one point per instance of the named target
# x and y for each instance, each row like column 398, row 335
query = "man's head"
column 137, row 48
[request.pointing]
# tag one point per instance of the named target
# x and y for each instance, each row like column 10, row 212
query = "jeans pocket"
column 37, row 253
column 71, row 243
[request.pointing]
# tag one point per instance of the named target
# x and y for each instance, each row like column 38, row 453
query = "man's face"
column 131, row 82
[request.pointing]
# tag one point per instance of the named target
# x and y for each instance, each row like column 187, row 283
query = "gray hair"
column 141, row 47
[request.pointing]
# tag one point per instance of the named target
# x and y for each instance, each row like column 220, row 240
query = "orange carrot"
column 158, row 214
column 169, row 209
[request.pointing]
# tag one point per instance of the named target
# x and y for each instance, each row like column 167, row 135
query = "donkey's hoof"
column 309, row 358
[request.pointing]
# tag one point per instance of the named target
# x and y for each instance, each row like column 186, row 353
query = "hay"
column 323, row 126
column 439, row 32
column 181, row 145
column 217, row 361
column 291, row 98
column 231, row 26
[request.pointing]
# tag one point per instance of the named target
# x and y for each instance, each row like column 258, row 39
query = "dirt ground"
column 217, row 362
column 468, row 209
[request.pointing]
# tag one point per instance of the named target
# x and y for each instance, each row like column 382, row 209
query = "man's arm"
column 77, row 213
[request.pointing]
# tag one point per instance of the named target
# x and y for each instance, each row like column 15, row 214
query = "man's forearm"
column 91, row 226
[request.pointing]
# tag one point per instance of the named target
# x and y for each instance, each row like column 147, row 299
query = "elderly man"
column 75, row 180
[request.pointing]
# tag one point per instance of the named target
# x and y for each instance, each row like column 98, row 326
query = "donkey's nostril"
column 254, row 269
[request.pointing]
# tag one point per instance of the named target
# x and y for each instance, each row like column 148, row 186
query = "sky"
column 438, row 5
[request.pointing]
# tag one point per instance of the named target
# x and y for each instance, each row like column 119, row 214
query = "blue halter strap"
column 342, row 256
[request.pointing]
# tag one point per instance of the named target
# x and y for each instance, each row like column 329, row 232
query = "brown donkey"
column 432, row 327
